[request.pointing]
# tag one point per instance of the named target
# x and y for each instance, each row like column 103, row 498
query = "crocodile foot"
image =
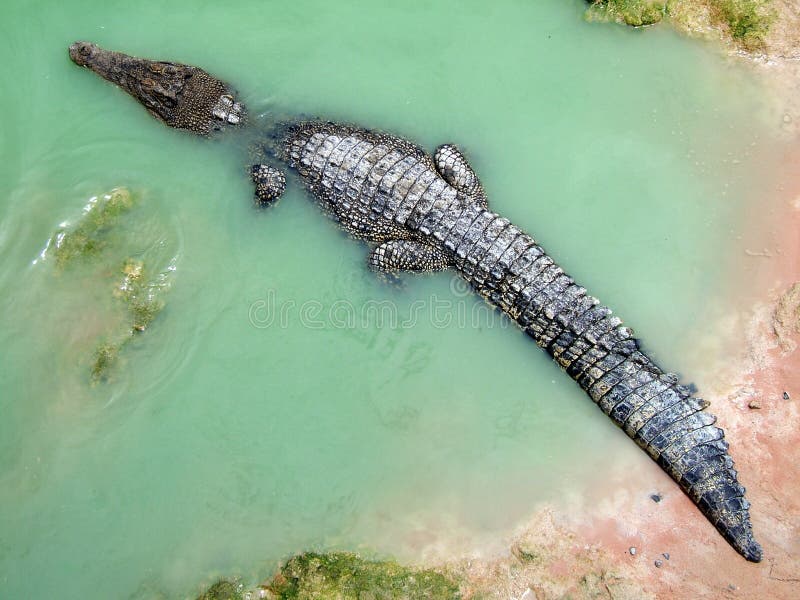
column 270, row 183
column 407, row 255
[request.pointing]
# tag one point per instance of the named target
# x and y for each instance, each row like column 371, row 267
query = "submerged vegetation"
column 89, row 236
column 747, row 22
column 223, row 590
column 141, row 298
column 105, row 357
column 344, row 576
column 143, row 303
column 143, row 312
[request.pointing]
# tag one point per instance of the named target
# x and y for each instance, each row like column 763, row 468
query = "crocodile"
column 421, row 212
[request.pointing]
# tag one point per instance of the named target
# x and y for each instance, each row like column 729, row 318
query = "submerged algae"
column 223, row 590
column 143, row 312
column 141, row 298
column 143, row 306
column 89, row 236
column 105, row 356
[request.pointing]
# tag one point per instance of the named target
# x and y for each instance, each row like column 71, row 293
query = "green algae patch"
column 143, row 312
column 90, row 235
column 223, row 589
column 347, row 576
column 745, row 22
column 142, row 298
column 748, row 20
column 99, row 239
column 636, row 13
column 105, row 357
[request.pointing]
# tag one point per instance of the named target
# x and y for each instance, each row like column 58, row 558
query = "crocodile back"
column 374, row 180
column 380, row 187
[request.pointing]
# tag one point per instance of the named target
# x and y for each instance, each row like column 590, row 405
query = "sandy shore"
column 585, row 551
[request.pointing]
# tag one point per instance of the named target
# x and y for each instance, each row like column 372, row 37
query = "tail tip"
column 752, row 551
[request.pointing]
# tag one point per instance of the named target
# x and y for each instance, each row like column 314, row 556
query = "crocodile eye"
column 147, row 82
column 85, row 50
column 169, row 70
column 156, row 68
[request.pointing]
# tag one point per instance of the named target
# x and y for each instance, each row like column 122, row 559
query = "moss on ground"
column 89, row 236
column 346, row 576
column 636, row 13
column 747, row 22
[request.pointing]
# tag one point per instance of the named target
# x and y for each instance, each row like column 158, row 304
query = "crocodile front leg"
column 270, row 183
column 408, row 255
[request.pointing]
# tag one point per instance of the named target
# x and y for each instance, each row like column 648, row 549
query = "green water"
column 227, row 440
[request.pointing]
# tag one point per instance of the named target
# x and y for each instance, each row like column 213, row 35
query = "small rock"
column 786, row 395
column 528, row 595
column 658, row 563
column 655, row 497
column 787, row 118
column 754, row 404
column 666, row 555
column 632, row 550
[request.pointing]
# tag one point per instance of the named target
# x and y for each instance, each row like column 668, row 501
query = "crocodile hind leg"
column 408, row 255
column 452, row 165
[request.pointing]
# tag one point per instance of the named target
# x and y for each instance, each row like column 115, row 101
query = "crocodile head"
column 178, row 95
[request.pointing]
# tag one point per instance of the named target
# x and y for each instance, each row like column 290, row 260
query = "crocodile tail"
column 694, row 452
column 671, row 425
column 651, row 407
column 510, row 270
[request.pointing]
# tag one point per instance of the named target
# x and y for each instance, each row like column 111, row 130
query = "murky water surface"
column 285, row 399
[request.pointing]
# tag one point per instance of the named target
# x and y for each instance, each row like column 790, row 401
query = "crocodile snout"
column 82, row 52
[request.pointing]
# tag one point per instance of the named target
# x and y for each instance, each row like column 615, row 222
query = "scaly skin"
column 178, row 95
column 430, row 214
column 383, row 189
